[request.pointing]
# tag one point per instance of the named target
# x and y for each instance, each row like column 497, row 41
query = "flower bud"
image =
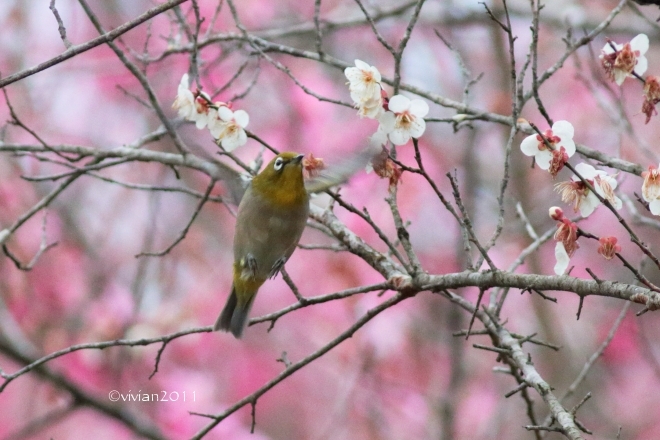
column 556, row 213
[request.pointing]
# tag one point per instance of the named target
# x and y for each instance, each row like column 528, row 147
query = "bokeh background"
column 403, row 375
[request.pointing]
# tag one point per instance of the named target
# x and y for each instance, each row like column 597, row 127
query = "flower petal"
column 353, row 74
column 399, row 103
column 225, row 113
column 399, row 136
column 563, row 129
column 387, row 122
column 568, row 145
column 589, row 204
column 184, row 81
column 619, row 76
column 230, row 143
column 419, row 108
column 242, row 118
column 378, row 138
column 640, row 43
column 585, row 170
column 543, row 159
column 417, row 128
column 530, row 146
column 370, row 111
column 362, row 65
column 562, row 259
column 218, row 128
column 654, row 206
column 607, row 49
column 611, row 180
column 376, row 74
column 201, row 121
column 641, row 66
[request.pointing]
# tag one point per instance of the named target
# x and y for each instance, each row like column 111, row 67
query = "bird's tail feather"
column 234, row 317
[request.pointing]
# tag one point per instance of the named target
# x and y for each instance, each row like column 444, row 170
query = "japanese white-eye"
column 271, row 218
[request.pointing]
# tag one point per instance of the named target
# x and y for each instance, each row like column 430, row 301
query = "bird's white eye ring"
column 278, row 164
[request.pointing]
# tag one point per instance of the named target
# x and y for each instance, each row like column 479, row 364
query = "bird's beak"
column 298, row 158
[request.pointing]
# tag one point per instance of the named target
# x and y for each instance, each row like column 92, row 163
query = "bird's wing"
column 340, row 172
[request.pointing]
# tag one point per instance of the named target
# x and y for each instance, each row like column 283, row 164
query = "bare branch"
column 106, row 37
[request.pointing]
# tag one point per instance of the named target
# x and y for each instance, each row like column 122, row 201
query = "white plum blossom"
column 371, row 109
column 185, row 100
column 405, row 119
column 560, row 136
column 622, row 60
column 651, row 189
column 562, row 258
column 583, row 199
column 363, row 83
column 229, row 127
column 192, row 107
column 225, row 125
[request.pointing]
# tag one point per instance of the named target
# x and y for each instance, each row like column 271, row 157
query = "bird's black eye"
column 278, row 164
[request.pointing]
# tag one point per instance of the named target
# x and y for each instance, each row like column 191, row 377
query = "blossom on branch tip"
column 404, row 120
column 185, row 100
column 566, row 237
column 556, row 213
column 371, row 109
column 228, row 128
column 559, row 137
column 608, row 247
column 622, row 60
column 651, row 189
column 651, row 96
column 576, row 192
column 363, row 81
column 365, row 89
column 559, row 159
column 192, row 106
column 385, row 167
column 567, row 234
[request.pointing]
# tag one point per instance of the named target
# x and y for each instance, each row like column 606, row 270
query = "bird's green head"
column 282, row 180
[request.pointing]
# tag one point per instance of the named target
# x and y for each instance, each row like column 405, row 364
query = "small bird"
column 272, row 215
column 270, row 220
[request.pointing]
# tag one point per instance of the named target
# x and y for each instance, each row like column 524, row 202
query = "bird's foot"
column 279, row 264
column 249, row 267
